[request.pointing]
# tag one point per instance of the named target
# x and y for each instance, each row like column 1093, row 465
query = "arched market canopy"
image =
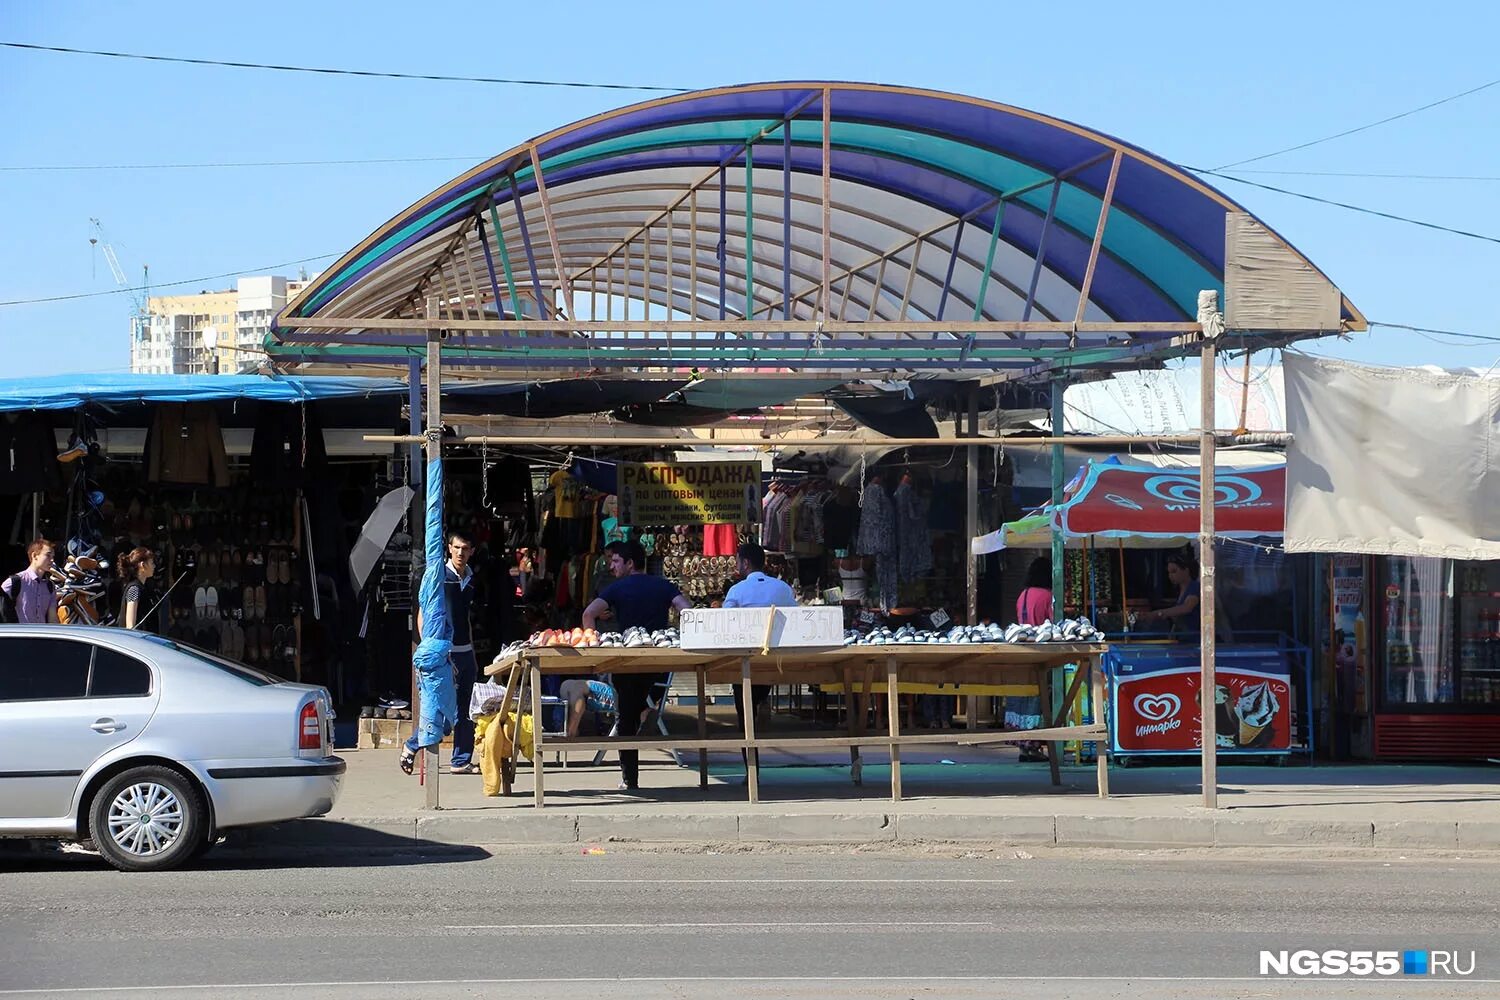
column 808, row 226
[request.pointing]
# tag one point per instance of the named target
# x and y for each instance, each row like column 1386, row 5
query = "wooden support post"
column 893, row 712
column 536, row 734
column 752, row 758
column 1208, row 621
column 1054, row 748
column 541, row 193
column 1088, row 274
column 1101, row 699
column 702, row 726
column 855, row 766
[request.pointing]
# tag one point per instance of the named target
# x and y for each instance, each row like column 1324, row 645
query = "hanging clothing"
column 915, row 547
column 720, row 540
column 877, row 537
column 567, row 494
column 853, row 580
column 185, row 445
column 28, row 454
column 279, row 457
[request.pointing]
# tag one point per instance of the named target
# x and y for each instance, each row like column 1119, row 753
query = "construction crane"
column 139, row 297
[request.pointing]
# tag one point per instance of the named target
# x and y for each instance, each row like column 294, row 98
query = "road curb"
column 758, row 827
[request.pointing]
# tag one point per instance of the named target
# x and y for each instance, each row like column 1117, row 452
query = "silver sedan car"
column 149, row 748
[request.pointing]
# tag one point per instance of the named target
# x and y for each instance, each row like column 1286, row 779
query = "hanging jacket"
column 28, row 454
column 185, row 445
column 277, row 458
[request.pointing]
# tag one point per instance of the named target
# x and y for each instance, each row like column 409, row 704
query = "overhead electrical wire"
column 165, row 284
column 1377, row 176
column 1345, row 205
column 245, row 163
column 1361, row 128
column 327, row 71
column 1483, row 337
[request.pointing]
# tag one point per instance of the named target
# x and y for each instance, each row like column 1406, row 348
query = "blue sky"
column 1200, row 84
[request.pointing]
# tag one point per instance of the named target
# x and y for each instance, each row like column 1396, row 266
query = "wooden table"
column 851, row 666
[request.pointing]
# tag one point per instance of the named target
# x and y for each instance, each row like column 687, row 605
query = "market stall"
column 868, row 669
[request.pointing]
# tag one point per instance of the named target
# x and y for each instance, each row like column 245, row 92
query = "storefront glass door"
column 1417, row 633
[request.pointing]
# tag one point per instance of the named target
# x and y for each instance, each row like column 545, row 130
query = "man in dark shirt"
column 458, row 590
column 638, row 600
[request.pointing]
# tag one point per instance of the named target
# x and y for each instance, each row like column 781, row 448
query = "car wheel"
column 148, row 819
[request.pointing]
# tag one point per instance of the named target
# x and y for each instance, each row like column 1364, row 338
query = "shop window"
column 1417, row 631
column 39, row 669
column 1478, row 613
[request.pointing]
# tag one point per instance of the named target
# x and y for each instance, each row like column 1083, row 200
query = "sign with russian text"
column 753, row 629
column 1127, row 500
column 662, row 494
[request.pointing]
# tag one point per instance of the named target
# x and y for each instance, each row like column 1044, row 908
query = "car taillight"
column 310, row 730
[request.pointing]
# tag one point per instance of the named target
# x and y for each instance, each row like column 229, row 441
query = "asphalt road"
column 743, row 925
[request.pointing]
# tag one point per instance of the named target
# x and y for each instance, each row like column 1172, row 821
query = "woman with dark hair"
column 137, row 567
column 1183, row 616
column 1033, row 606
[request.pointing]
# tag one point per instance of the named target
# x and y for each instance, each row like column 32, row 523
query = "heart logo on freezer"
column 1157, row 707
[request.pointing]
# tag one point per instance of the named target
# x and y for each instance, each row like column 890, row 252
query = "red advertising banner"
column 1135, row 500
column 1157, row 710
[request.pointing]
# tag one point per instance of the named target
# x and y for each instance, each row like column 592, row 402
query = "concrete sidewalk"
column 953, row 794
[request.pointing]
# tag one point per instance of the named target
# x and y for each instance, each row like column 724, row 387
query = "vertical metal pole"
column 1208, row 621
column 1041, row 251
column 1088, row 274
column 489, row 267
column 693, row 257
column 434, row 452
column 536, row 281
column 948, row 278
column 971, row 510
column 510, row 275
column 415, row 476
column 989, row 260
column 1059, row 599
column 723, row 235
column 827, row 193
column 749, row 232
column 786, row 224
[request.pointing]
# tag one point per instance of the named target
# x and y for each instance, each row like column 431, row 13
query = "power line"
column 576, row 84
column 1393, row 177
column 1445, row 333
column 1346, row 205
column 245, row 163
column 166, row 284
column 1361, row 128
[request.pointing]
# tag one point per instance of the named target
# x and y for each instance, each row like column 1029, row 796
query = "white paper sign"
column 744, row 629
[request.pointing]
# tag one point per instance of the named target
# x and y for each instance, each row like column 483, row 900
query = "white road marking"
column 788, row 881
column 753, row 923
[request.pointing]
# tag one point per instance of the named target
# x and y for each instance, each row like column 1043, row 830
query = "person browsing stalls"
column 638, row 600
column 756, row 590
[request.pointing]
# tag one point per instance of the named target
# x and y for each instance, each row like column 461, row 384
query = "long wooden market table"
column 852, row 667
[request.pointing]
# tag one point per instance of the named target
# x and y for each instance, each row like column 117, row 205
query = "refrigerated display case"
column 1439, row 655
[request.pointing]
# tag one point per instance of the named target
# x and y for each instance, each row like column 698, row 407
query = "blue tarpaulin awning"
column 65, row 392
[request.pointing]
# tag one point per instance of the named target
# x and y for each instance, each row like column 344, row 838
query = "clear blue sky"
column 1201, row 84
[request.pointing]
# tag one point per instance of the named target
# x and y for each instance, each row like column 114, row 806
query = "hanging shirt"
column 567, row 494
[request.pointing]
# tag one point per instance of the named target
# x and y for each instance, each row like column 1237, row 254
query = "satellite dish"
column 210, row 337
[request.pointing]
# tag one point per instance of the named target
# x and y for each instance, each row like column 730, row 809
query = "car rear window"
column 244, row 673
column 116, row 675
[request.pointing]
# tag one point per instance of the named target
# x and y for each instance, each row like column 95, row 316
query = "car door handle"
column 107, row 726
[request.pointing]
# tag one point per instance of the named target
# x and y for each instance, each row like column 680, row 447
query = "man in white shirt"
column 756, row 590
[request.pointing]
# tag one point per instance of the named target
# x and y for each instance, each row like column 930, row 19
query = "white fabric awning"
column 1388, row 461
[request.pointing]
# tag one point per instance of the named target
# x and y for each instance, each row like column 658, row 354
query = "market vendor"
column 1184, row 616
column 756, row 590
column 638, row 600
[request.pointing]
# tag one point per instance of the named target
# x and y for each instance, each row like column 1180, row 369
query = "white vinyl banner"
column 1391, row 461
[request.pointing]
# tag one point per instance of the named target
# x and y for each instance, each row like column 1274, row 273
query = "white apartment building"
column 170, row 340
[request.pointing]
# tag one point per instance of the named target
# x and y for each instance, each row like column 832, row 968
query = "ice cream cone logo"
column 1256, row 708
